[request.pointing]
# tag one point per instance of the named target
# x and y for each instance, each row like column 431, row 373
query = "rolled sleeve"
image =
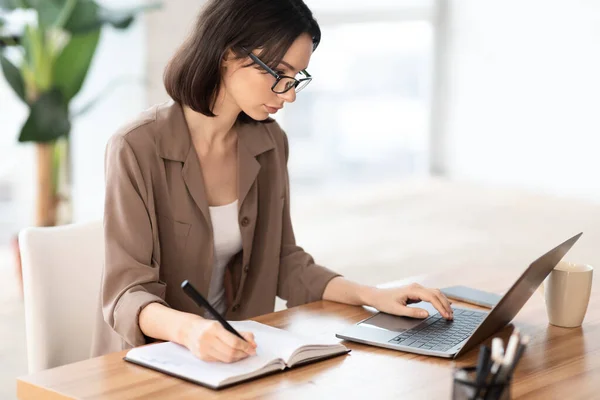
column 128, row 309
column 130, row 279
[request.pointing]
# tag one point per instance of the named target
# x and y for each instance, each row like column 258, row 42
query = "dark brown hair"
column 193, row 76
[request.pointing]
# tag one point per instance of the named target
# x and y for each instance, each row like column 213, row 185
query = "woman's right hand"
column 209, row 341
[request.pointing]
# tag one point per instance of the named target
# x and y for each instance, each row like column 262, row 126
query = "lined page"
column 282, row 343
column 176, row 359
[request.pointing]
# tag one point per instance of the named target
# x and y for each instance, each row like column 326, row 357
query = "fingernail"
column 423, row 313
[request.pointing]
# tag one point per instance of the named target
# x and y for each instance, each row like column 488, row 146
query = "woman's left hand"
column 395, row 301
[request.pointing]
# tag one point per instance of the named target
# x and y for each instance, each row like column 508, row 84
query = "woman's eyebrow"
column 291, row 67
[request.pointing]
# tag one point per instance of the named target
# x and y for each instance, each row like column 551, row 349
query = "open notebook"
column 276, row 350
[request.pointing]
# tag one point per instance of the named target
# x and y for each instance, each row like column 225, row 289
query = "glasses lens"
column 302, row 85
column 284, row 84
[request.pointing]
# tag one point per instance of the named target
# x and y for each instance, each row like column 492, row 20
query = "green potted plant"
column 45, row 63
column 49, row 70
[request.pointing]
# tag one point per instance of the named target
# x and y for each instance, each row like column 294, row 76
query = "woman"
column 198, row 189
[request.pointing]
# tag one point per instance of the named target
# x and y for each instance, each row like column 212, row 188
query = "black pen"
column 202, row 302
column 483, row 368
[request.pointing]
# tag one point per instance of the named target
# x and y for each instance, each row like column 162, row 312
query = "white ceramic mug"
column 567, row 293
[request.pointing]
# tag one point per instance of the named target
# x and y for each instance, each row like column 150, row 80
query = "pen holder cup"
column 464, row 387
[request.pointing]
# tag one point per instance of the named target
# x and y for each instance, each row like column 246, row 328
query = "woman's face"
column 250, row 88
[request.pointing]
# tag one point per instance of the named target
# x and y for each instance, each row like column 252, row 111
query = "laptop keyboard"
column 439, row 334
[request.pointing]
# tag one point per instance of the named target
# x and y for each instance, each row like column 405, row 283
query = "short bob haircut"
column 193, row 76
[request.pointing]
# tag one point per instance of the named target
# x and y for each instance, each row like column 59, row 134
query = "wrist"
column 183, row 329
column 367, row 295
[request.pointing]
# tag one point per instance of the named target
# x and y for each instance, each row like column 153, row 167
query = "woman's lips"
column 272, row 110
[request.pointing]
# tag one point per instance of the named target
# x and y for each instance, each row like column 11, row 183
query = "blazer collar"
column 175, row 143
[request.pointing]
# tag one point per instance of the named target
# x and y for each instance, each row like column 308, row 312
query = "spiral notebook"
column 276, row 350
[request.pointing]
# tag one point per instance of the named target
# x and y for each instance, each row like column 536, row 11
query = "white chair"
column 62, row 269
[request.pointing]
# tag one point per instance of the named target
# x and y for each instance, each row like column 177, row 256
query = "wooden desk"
column 560, row 363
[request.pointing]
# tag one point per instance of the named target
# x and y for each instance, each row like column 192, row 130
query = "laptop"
column 435, row 336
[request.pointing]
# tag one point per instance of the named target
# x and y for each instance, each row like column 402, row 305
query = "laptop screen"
column 518, row 294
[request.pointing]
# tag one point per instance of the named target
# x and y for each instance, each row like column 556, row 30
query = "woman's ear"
column 229, row 60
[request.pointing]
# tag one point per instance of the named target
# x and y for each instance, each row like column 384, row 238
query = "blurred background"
column 434, row 134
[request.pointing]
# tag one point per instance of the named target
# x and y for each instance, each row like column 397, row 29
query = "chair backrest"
column 62, row 269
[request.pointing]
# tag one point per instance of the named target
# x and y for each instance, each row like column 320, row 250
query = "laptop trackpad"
column 397, row 324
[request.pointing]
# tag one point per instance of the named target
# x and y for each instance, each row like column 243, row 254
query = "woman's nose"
column 289, row 96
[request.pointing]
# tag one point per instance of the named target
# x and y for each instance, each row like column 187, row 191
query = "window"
column 365, row 117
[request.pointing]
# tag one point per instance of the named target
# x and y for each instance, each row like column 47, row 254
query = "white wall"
column 522, row 95
column 16, row 165
column 119, row 54
column 166, row 29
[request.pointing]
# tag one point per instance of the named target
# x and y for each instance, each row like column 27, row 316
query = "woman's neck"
column 209, row 132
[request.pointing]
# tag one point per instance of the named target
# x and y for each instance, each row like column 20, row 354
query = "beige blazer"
column 158, row 230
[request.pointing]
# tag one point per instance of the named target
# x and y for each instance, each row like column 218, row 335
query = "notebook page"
column 173, row 358
column 284, row 344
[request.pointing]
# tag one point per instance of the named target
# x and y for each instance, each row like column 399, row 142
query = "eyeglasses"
column 284, row 83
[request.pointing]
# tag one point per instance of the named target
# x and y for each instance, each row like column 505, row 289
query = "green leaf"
column 9, row 4
column 72, row 65
column 65, row 13
column 38, row 59
column 13, row 76
column 84, row 18
column 88, row 16
column 6, row 41
column 52, row 13
column 12, row 4
column 48, row 119
column 121, row 19
column 48, row 11
column 118, row 19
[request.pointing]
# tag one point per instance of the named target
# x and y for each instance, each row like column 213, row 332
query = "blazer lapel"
column 175, row 144
column 248, row 169
column 192, row 176
column 253, row 140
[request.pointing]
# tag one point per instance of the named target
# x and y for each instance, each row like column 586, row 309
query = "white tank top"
column 227, row 243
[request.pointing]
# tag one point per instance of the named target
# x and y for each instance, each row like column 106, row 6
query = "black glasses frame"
column 279, row 77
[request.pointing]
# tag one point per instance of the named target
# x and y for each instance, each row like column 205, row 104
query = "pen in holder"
column 465, row 387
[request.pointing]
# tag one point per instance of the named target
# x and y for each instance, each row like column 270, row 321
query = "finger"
column 202, row 354
column 206, row 357
column 444, row 301
column 225, row 353
column 399, row 308
column 413, row 312
column 236, row 343
column 435, row 301
column 249, row 336
column 440, row 298
column 219, row 356
column 203, row 357
column 233, row 341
